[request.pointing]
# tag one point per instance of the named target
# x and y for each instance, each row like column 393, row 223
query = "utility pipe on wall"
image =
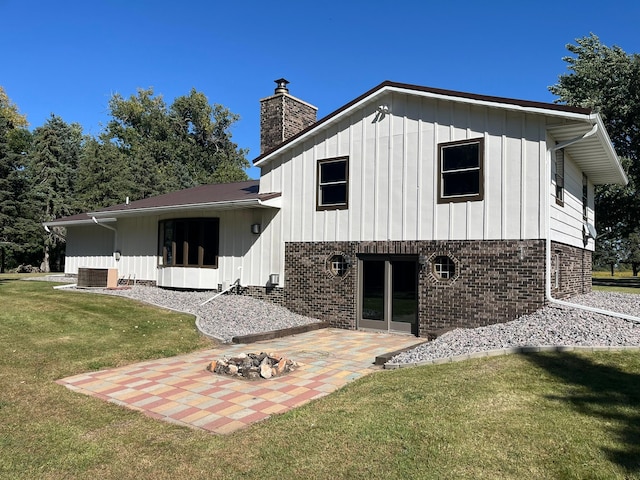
column 548, row 240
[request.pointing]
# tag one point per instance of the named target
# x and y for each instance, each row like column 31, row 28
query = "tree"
column 104, row 177
column 608, row 80
column 170, row 148
column 52, row 167
column 14, row 140
column 631, row 248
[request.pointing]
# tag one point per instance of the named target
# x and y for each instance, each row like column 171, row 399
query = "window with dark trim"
column 460, row 166
column 333, row 183
column 189, row 242
column 560, row 177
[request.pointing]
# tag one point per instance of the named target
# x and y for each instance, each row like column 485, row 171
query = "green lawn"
column 622, row 282
column 532, row 416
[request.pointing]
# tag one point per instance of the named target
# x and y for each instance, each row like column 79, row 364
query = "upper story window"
column 560, row 177
column 333, row 184
column 189, row 242
column 460, row 171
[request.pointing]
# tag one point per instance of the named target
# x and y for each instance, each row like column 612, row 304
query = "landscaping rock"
column 253, row 366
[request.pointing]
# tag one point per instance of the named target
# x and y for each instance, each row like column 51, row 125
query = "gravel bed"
column 234, row 315
column 225, row 317
column 550, row 326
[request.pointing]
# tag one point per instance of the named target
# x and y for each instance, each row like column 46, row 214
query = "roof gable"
column 452, row 95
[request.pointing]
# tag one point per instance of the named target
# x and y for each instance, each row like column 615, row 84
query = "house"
column 409, row 209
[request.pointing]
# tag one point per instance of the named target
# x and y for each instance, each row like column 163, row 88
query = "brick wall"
column 575, row 272
column 271, row 294
column 497, row 281
column 281, row 117
column 312, row 290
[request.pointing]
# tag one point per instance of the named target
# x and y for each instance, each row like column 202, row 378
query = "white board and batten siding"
column 567, row 222
column 393, row 175
column 89, row 246
column 241, row 254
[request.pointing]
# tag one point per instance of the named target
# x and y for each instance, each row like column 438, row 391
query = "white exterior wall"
column 393, row 175
column 240, row 254
column 89, row 246
column 567, row 220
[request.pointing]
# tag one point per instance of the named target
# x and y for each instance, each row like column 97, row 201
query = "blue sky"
column 68, row 57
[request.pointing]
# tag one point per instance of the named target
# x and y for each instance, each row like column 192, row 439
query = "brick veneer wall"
column 271, row 294
column 312, row 290
column 575, row 270
column 497, row 281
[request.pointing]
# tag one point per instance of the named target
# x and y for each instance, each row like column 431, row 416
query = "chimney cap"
column 282, row 85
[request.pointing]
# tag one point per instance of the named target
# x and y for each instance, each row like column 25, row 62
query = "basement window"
column 333, row 185
column 444, row 268
column 338, row 265
column 460, row 171
column 189, row 242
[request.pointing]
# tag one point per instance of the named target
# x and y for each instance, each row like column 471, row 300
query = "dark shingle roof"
column 203, row 195
column 211, row 193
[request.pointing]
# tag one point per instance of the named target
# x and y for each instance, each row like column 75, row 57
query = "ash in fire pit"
column 253, row 366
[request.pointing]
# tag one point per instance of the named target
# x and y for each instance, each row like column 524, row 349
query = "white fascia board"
column 172, row 208
column 493, row 104
column 610, row 151
column 89, row 221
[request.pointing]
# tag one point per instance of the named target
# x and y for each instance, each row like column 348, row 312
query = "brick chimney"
column 282, row 116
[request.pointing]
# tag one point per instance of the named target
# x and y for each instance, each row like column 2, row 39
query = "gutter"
column 548, row 293
column 230, row 204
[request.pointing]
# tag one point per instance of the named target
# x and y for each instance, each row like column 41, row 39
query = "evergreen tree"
column 52, row 167
column 104, row 177
column 14, row 140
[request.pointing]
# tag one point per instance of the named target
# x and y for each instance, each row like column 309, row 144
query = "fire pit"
column 253, row 366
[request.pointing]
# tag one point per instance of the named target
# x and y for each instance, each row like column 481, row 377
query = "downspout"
column 549, row 296
column 115, row 236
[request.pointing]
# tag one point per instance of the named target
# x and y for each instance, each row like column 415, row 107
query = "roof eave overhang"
column 226, row 205
column 386, row 87
column 88, row 221
column 594, row 154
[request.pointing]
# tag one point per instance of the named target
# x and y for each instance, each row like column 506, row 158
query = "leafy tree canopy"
column 607, row 79
column 9, row 112
column 172, row 147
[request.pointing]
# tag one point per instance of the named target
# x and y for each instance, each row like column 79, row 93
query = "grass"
column 533, row 416
column 617, row 274
column 622, row 282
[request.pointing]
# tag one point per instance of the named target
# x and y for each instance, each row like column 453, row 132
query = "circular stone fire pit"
column 253, row 366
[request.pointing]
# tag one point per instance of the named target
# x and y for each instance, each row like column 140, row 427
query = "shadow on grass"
column 601, row 391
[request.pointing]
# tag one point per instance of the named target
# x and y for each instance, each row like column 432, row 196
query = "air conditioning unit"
column 97, row 277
